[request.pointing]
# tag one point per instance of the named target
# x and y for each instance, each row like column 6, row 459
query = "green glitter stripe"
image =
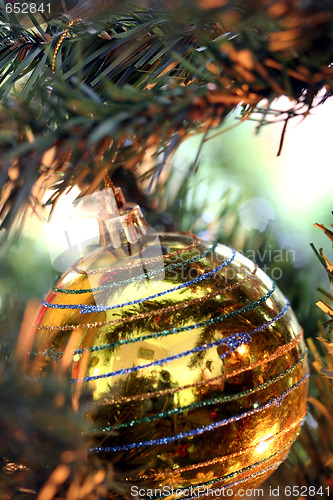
column 200, row 404
column 172, row 473
column 199, row 431
column 155, row 394
column 54, row 355
column 162, row 310
column 142, row 276
column 165, row 333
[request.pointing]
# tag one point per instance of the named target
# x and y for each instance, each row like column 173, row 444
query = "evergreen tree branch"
column 146, row 79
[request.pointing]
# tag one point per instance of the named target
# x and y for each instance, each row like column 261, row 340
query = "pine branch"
column 135, row 48
column 146, row 78
column 325, row 261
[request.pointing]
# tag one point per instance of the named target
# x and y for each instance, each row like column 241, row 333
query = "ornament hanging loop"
column 61, row 39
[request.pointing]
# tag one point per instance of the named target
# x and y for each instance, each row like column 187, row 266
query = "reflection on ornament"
column 263, row 445
column 242, row 349
column 198, row 378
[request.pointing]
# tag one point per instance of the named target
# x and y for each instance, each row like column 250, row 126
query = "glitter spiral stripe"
column 233, row 341
column 207, row 402
column 106, row 270
column 231, row 485
column 213, row 461
column 226, row 487
column 89, row 308
column 149, row 314
column 243, row 480
column 231, row 475
column 280, row 351
column 277, row 401
column 165, row 333
column 147, row 275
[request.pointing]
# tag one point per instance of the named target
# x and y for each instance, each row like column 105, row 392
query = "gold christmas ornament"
column 195, row 361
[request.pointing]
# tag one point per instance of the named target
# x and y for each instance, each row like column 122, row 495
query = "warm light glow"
column 70, row 229
column 69, row 277
column 10, row 467
column 242, row 349
column 263, row 446
column 266, row 441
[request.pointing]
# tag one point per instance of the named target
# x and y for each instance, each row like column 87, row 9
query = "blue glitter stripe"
column 140, row 277
column 180, row 329
column 159, row 393
column 232, row 341
column 206, row 402
column 84, row 309
column 277, row 401
column 164, row 333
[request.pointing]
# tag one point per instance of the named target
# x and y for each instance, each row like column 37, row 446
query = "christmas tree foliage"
column 93, row 87
column 310, row 463
column 138, row 78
